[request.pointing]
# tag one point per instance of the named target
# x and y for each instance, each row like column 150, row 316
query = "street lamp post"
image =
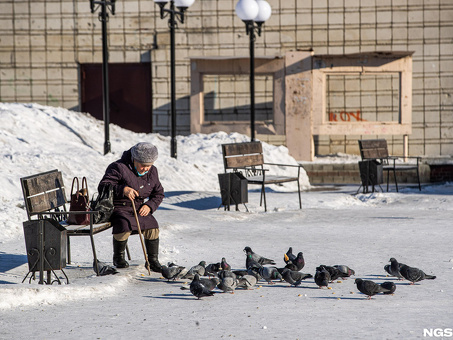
column 173, row 13
column 253, row 13
column 104, row 17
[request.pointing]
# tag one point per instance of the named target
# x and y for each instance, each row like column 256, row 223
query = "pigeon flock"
column 206, row 278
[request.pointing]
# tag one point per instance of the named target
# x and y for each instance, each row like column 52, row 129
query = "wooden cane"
column 141, row 237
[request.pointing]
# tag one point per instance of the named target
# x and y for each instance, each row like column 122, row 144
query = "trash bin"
column 371, row 173
column 233, row 189
column 46, row 244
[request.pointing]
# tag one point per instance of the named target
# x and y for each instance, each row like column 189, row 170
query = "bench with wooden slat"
column 377, row 149
column 44, row 196
column 248, row 159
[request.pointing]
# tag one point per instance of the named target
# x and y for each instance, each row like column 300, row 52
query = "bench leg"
column 298, row 189
column 69, row 249
column 396, row 181
column 263, row 197
column 94, row 254
column 418, row 178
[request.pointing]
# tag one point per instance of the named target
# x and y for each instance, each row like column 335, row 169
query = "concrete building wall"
column 42, row 44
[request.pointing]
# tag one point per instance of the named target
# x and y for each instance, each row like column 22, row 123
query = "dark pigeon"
column 224, row 265
column 250, row 263
column 212, row 269
column 258, row 258
column 294, row 278
column 104, row 268
column 226, row 273
column 394, row 268
column 172, row 271
column 299, row 261
column 370, row 288
column 334, row 272
column 289, row 257
column 390, row 286
column 198, row 289
column 322, row 277
column 199, row 269
column 413, row 274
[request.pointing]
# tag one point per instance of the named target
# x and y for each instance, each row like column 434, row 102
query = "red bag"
column 79, row 202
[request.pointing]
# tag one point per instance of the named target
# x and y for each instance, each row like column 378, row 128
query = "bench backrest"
column 373, row 148
column 43, row 192
column 242, row 155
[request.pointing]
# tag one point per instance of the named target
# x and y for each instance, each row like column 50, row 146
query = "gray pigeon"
column 228, row 284
column 394, row 268
column 198, row 289
column 247, row 281
column 171, row 271
column 104, row 268
column 345, row 270
column 226, row 273
column 209, row 282
column 322, row 277
column 258, row 258
column 294, row 278
column 370, row 288
column 198, row 269
column 413, row 274
column 269, row 274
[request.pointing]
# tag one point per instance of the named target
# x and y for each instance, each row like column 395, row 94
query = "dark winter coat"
column 122, row 173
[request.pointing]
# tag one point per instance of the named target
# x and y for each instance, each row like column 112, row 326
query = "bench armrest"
column 292, row 165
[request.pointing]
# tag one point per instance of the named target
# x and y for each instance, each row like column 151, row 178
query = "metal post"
column 105, row 78
column 103, row 17
column 172, row 24
column 251, row 31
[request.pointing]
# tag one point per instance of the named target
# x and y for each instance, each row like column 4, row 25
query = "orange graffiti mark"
column 344, row 116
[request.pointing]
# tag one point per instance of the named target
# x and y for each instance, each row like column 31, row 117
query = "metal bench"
column 248, row 159
column 376, row 149
column 44, row 196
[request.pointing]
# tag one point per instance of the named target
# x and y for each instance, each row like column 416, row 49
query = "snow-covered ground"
column 335, row 226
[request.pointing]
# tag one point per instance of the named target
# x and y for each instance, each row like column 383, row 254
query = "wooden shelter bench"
column 377, row 149
column 248, row 159
column 44, row 196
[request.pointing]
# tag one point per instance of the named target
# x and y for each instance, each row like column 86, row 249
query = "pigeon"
column 240, row 272
column 394, row 268
column 172, row 271
column 209, row 282
column 269, row 274
column 345, row 270
column 390, row 286
column 104, row 268
column 199, row 269
column 226, row 273
column 212, row 269
column 224, row 265
column 413, row 274
column 322, row 277
column 334, row 272
column 289, row 257
column 198, row 289
column 250, row 263
column 290, row 266
column 294, row 278
column 299, row 261
column 370, row 288
column 247, row 281
column 228, row 284
column 258, row 258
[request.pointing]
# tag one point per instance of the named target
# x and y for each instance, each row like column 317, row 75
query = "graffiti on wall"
column 344, row 116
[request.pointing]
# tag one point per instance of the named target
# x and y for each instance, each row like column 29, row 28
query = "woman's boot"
column 119, row 252
column 152, row 249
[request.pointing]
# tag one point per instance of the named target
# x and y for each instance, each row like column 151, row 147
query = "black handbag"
column 103, row 205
